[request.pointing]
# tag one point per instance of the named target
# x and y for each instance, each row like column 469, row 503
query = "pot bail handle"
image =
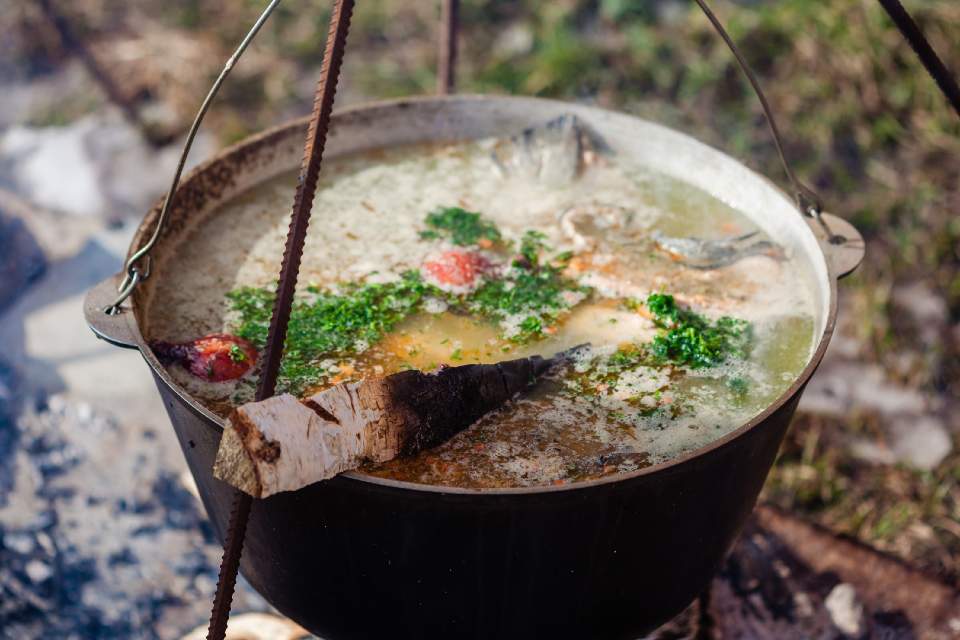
column 841, row 242
column 137, row 267
column 808, row 202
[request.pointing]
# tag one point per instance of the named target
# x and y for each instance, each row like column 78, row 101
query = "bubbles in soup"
column 689, row 319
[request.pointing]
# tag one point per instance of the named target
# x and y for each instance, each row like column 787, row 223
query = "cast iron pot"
column 364, row 557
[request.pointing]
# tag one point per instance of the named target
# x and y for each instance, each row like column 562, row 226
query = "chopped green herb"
column 688, row 338
column 462, row 227
column 530, row 289
column 456, row 355
column 663, row 306
column 254, row 307
column 738, row 386
column 329, row 324
column 562, row 259
column 532, row 243
column 237, row 354
column 531, row 326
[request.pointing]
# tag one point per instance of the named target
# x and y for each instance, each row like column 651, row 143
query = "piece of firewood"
column 283, row 444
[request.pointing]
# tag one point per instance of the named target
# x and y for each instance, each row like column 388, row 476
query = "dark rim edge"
column 357, row 476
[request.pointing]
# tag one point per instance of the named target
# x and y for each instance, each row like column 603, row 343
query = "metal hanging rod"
column 931, row 62
column 286, row 286
column 447, row 54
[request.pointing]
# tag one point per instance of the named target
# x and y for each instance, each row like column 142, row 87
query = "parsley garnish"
column 531, row 288
column 237, row 354
column 688, row 338
column 330, row 324
column 461, row 227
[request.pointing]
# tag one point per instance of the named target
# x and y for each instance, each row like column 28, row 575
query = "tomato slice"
column 457, row 268
column 217, row 357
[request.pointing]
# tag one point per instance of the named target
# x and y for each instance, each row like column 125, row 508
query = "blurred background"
column 99, row 533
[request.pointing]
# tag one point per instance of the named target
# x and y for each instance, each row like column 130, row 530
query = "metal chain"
column 135, row 274
column 290, row 267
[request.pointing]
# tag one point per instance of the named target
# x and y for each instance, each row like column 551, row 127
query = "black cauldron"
column 363, row 557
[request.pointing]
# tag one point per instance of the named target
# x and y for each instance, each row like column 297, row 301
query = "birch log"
column 283, row 444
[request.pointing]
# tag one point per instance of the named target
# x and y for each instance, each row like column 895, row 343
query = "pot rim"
column 795, row 388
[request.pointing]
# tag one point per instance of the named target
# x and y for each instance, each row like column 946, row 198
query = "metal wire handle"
column 808, row 202
column 134, row 274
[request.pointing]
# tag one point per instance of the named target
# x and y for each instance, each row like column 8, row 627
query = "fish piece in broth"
column 583, row 224
column 700, row 253
column 555, row 152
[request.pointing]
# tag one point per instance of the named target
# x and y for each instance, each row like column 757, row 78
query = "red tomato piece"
column 217, row 357
column 457, row 268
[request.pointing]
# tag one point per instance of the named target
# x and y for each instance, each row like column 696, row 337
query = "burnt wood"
column 777, row 582
column 284, row 444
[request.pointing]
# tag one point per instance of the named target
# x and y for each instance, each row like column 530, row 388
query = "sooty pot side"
column 362, row 557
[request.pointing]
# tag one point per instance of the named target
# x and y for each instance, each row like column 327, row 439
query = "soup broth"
column 449, row 254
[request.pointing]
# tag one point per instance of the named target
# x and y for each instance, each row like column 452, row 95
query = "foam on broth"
column 367, row 220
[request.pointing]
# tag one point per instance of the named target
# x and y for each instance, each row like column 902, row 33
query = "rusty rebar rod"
column 447, row 55
column 276, row 336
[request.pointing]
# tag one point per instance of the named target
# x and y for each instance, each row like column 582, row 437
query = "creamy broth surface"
column 582, row 422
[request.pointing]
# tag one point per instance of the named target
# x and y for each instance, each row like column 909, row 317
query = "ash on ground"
column 100, row 535
column 100, row 538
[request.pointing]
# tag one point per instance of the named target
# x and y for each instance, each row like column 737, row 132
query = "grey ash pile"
column 100, row 536
column 93, row 544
